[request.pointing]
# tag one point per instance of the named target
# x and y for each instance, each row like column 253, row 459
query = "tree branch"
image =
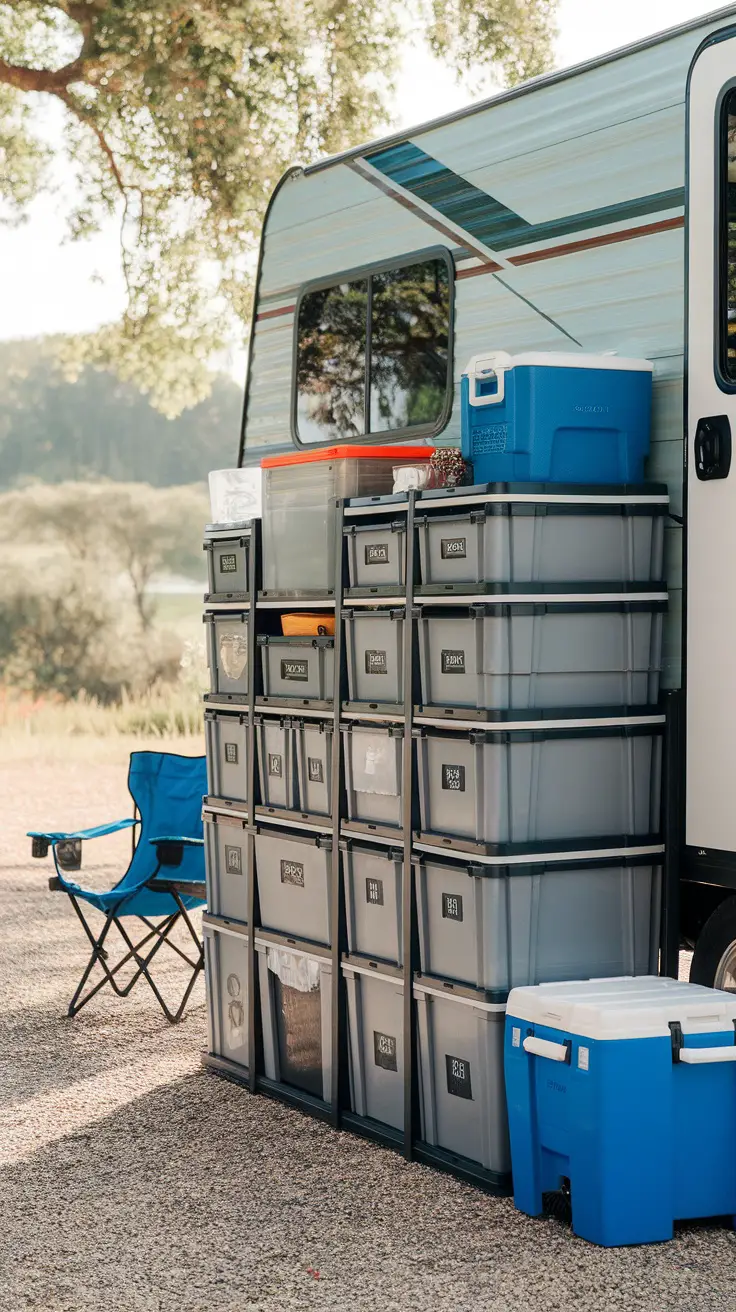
column 52, row 80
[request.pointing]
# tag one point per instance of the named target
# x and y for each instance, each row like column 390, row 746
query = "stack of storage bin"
column 295, row 728
column 227, row 735
column 538, row 744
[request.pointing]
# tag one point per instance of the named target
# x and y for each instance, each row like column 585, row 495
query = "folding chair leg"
column 172, row 1016
column 161, row 934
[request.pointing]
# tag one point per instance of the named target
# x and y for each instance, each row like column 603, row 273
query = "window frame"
column 720, row 336
column 384, row 436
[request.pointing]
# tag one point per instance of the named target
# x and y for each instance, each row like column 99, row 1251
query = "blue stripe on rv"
column 488, row 219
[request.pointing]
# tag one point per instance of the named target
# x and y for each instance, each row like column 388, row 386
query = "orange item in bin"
column 307, row 625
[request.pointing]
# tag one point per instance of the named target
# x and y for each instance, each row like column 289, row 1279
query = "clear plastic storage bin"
column 299, row 492
column 296, row 1014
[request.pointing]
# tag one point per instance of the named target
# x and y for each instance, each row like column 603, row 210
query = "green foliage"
column 101, row 427
column 63, row 634
column 113, row 529
column 181, row 119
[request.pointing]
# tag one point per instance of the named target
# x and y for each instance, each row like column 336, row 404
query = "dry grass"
column 35, row 728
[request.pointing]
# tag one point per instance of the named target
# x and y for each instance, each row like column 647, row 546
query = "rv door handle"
column 713, row 448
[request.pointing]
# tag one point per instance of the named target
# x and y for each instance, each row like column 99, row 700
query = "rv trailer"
column 590, row 210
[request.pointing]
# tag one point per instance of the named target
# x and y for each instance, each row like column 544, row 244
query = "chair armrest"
column 177, row 838
column 170, row 848
column 99, row 831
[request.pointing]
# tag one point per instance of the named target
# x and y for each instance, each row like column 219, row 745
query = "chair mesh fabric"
column 168, row 792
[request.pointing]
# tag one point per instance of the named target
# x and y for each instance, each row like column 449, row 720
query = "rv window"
column 331, row 363
column 728, row 358
column 354, row 382
column 409, row 340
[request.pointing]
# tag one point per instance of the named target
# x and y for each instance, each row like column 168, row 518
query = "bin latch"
column 678, row 1042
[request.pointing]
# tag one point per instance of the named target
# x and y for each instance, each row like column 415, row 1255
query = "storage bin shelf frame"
column 407, row 713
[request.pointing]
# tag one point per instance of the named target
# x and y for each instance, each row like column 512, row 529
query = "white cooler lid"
column 626, row 1008
column 554, row 360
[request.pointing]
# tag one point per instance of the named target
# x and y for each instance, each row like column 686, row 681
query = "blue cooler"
column 623, row 1091
column 554, row 417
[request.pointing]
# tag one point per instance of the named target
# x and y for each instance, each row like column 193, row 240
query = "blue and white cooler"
column 556, row 417
column 622, row 1092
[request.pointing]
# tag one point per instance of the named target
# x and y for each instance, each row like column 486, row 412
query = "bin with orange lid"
column 299, row 494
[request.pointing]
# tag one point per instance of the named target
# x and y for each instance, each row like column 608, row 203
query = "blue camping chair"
column 164, row 881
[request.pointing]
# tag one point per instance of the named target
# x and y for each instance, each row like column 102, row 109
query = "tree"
column 181, row 116
column 113, row 529
column 100, row 427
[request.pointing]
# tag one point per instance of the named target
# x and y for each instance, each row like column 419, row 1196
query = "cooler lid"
column 489, row 361
column 625, row 1008
column 346, row 452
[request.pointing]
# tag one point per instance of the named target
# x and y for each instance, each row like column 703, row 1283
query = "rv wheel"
column 714, row 958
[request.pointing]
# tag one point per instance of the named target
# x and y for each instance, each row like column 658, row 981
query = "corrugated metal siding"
column 610, row 134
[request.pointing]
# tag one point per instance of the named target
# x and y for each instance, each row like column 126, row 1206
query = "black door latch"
column 713, row 448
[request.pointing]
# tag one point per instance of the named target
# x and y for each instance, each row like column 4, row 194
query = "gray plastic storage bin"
column 545, row 786
column 226, row 744
column 297, row 669
column 227, row 652
column 571, row 536
column 228, row 561
column 462, row 1100
column 539, row 656
column 376, row 1047
column 275, row 746
column 313, row 748
column 296, row 1015
column 497, row 926
column 373, row 900
column 226, row 864
column 374, row 644
column 294, row 882
column 226, row 979
column 373, row 762
column 377, row 556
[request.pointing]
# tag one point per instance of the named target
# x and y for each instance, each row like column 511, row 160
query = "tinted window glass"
column 410, row 322
column 331, row 363
column 728, row 359
column 353, row 383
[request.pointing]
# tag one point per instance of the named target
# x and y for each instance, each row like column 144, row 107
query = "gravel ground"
column 132, row 1181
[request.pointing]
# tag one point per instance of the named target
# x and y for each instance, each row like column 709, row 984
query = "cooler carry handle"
column 480, row 368
column 546, row 1048
column 704, row 1056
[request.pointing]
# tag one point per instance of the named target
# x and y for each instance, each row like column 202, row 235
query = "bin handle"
column 546, row 1048
column 703, row 1056
column 481, row 367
